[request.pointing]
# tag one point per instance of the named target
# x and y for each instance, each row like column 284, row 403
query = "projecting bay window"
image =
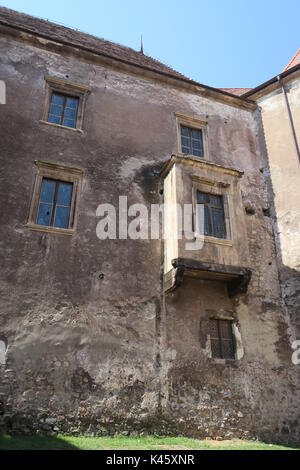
column 214, row 217
column 54, row 205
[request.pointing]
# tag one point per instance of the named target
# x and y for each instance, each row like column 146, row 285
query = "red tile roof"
column 236, row 91
column 294, row 61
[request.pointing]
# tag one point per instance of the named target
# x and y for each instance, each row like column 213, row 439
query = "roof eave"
column 214, row 93
column 264, row 88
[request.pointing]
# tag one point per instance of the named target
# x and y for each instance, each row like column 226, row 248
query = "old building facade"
column 121, row 335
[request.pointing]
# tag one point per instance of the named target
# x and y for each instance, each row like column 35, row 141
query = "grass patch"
column 128, row 443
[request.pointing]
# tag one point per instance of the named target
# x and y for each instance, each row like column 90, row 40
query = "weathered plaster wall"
column 284, row 174
column 107, row 354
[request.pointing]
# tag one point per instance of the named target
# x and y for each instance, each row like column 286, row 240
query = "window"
column 54, row 206
column 222, row 339
column 214, row 219
column 63, row 110
column 64, row 104
column 191, row 141
column 55, row 203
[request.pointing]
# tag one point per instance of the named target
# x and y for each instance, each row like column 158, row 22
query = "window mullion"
column 54, row 204
column 63, row 111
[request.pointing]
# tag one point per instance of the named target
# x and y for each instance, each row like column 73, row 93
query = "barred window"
column 191, row 141
column 63, row 110
column 214, row 218
column 222, row 339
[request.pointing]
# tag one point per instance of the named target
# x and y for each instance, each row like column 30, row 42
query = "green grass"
column 128, row 443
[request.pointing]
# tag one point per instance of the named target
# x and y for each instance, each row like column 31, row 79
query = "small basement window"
column 214, row 217
column 222, row 339
column 63, row 110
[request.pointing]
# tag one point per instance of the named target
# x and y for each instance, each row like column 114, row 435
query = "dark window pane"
column 56, row 109
column 64, row 194
column 54, row 119
column 197, row 153
column 225, row 329
column 61, row 219
column 207, row 224
column 185, row 131
column 72, row 103
column 70, row 113
column 219, row 230
column 196, row 134
column 57, row 99
column 215, row 348
column 202, row 198
column 44, row 214
column 69, row 122
column 47, row 191
column 196, row 144
column 213, row 329
column 228, row 350
column 216, row 200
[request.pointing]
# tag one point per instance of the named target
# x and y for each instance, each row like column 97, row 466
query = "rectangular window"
column 63, row 110
column 191, row 141
column 54, row 203
column 222, row 339
column 214, row 218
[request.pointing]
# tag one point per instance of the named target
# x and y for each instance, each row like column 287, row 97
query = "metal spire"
column 142, row 48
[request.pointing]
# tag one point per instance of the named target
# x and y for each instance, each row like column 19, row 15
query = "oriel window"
column 63, row 110
column 55, row 203
column 223, row 345
column 214, row 218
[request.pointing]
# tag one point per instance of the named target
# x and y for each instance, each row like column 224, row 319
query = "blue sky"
column 222, row 43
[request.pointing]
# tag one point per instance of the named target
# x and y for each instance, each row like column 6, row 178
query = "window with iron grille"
column 222, row 339
column 63, row 110
column 214, row 218
column 54, row 203
column 191, row 141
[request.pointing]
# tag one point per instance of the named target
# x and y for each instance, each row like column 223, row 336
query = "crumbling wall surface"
column 282, row 164
column 90, row 342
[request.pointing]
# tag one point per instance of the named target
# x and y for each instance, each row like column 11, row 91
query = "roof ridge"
column 104, row 41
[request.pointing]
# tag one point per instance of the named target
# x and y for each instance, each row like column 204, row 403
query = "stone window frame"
column 239, row 348
column 61, row 172
column 65, row 87
column 219, row 189
column 193, row 122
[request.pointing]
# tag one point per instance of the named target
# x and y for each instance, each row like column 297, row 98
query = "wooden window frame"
column 217, row 188
column 68, row 89
column 211, row 206
column 57, row 172
column 192, row 122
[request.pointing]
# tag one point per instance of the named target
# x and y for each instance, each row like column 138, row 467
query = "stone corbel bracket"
column 237, row 278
